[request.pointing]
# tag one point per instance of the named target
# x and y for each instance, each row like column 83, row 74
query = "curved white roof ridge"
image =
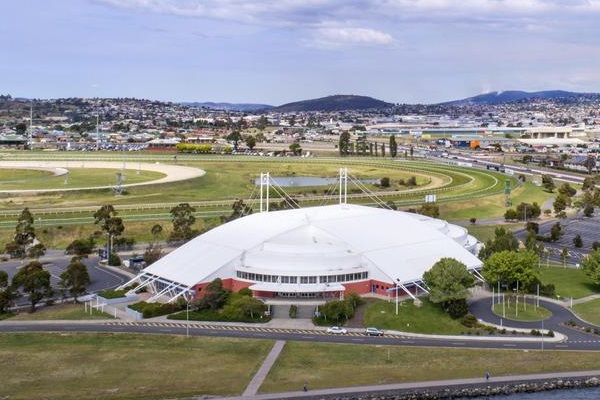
column 395, row 244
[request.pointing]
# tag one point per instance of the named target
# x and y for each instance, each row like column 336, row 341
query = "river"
column 592, row 393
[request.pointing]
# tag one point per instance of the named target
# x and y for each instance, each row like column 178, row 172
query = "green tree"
column 110, row 223
column 235, row 137
column 560, row 203
column 81, row 247
column 34, row 280
column 503, row 240
column 182, row 216
column 555, row 232
column 25, row 243
column 567, row 190
column 152, row 253
column 449, row 282
column 156, row 231
column 591, row 265
column 578, row 241
column 215, row 296
column 7, row 293
column 295, row 148
column 548, row 183
column 250, row 142
column 21, row 128
column 511, row 266
column 393, row 146
column 75, row 278
column 344, row 143
column 239, row 209
column 430, row 209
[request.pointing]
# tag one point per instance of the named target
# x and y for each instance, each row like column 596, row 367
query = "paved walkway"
column 262, row 372
column 412, row 386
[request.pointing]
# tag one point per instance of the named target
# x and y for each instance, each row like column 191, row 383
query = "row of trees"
column 33, row 281
column 363, row 147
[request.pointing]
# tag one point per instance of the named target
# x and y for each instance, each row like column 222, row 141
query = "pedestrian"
column 487, row 376
column 305, row 388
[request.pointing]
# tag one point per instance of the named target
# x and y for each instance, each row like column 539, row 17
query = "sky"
column 280, row 51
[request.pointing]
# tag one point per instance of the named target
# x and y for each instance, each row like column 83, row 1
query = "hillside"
column 512, row 96
column 334, row 103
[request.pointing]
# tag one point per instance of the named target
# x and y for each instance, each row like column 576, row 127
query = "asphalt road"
column 577, row 340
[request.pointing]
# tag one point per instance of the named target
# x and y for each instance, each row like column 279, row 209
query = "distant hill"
column 512, row 96
column 334, row 103
column 230, row 106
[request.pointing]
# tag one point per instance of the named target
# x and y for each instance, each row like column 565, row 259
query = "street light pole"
column 187, row 315
column 396, row 299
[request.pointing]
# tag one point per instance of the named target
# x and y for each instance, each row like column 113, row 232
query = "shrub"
column 293, row 311
column 150, row 310
column 112, row 293
column 469, row 320
column 114, row 260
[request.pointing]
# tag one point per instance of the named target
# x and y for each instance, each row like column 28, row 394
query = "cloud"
column 340, row 37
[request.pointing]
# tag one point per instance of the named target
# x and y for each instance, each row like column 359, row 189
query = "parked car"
column 337, row 330
column 373, row 332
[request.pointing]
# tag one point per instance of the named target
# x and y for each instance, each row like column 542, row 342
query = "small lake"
column 300, row 181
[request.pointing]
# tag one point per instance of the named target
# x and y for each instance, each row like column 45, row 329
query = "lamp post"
column 397, row 286
column 187, row 297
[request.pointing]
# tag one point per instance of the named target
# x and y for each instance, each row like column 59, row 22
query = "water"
column 300, row 181
column 563, row 394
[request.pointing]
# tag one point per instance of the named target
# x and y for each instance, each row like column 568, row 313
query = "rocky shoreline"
column 486, row 389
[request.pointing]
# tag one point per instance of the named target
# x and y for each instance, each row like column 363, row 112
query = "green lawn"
column 428, row 318
column 128, row 366
column 60, row 312
column 589, row 311
column 125, row 366
column 323, row 365
column 523, row 311
column 569, row 282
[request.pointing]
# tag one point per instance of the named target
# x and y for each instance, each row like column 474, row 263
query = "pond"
column 300, row 181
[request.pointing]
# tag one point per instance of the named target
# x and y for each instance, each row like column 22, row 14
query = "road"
column 576, row 340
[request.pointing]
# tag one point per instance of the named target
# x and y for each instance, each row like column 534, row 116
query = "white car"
column 337, row 330
column 373, row 332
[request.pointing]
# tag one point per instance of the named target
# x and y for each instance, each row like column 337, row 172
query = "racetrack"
column 173, row 173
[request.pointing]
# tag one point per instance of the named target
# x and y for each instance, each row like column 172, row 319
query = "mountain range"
column 357, row 103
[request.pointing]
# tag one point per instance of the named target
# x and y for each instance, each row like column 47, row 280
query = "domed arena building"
column 316, row 253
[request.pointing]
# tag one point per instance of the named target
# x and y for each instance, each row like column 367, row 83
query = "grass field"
column 60, row 312
column 124, row 366
column 520, row 311
column 569, row 282
column 589, row 311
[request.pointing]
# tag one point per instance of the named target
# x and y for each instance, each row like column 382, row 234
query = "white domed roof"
column 391, row 245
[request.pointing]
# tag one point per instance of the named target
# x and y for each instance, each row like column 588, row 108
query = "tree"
column 21, row 128
column 591, row 265
column 567, row 189
column 235, row 137
column 449, row 282
column 156, row 231
column 215, row 296
column 35, row 282
column 430, row 209
column 296, row 149
column 81, row 247
column 548, row 183
column 556, row 232
column 110, row 223
column 251, row 142
column 578, row 241
column 153, row 253
column 511, row 266
column 240, row 209
column 7, row 293
column 25, row 243
column 344, row 143
column 503, row 240
column 393, row 146
column 75, row 278
column 182, row 216
column 384, row 182
column 560, row 203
